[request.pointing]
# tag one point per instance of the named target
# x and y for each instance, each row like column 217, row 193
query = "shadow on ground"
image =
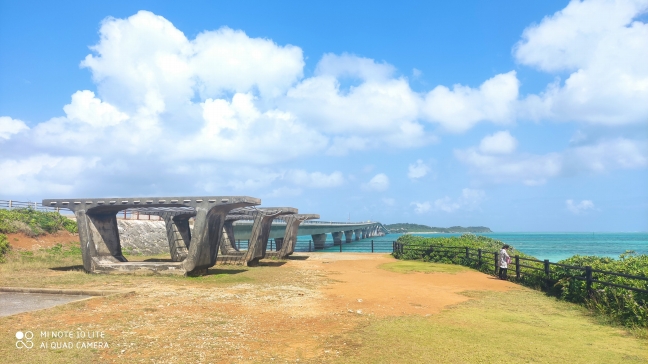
column 68, row 268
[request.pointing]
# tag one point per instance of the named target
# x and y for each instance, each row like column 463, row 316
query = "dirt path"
column 360, row 285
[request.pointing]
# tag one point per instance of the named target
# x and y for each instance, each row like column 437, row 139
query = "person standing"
column 505, row 259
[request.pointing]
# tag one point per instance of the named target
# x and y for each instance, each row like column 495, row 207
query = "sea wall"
column 143, row 237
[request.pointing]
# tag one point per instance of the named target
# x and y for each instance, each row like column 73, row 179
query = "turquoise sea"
column 552, row 246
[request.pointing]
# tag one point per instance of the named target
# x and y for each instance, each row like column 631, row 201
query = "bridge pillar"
column 349, row 236
column 319, row 240
column 358, row 233
column 337, row 237
column 278, row 243
column 364, row 233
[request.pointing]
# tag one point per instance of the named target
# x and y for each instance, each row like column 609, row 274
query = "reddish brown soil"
column 24, row 242
column 360, row 285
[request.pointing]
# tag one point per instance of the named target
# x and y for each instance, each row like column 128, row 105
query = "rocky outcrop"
column 143, row 237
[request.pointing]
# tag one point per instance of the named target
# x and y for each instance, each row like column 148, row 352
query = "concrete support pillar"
column 358, row 234
column 178, row 235
column 286, row 245
column 337, row 237
column 228, row 240
column 319, row 240
column 278, row 243
column 99, row 238
column 349, row 236
column 364, row 233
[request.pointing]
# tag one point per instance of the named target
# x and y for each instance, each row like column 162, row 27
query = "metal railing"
column 13, row 204
column 482, row 257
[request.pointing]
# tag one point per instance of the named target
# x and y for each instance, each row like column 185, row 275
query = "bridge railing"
column 13, row 204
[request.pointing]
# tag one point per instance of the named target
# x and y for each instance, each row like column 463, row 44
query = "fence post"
column 479, row 254
column 124, row 214
column 238, row 242
column 10, row 203
column 496, row 255
column 138, row 215
column 271, row 241
column 393, row 247
column 372, row 245
column 588, row 279
column 546, row 268
column 341, row 247
column 309, row 245
column 517, row 266
column 467, row 254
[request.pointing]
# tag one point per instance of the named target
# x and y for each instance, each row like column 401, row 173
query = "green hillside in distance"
column 416, row 228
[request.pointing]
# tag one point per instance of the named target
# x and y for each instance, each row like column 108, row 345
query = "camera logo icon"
column 24, row 340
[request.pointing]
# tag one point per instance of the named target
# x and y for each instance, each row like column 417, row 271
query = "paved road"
column 13, row 303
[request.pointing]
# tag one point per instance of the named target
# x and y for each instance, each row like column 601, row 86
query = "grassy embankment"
column 620, row 305
column 31, row 223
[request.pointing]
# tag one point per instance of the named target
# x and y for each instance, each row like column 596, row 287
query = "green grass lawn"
column 521, row 326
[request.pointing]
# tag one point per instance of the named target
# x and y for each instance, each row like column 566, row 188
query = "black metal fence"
column 303, row 245
column 481, row 258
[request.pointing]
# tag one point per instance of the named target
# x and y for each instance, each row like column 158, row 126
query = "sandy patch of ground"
column 359, row 285
column 24, row 242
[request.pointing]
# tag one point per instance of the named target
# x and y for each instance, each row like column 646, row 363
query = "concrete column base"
column 349, row 236
column 319, row 240
column 278, row 243
column 337, row 237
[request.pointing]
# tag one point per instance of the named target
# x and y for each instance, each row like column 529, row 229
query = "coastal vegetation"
column 416, row 228
column 33, row 223
column 619, row 304
column 4, row 247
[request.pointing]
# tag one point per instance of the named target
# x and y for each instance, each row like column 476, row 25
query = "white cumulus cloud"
column 379, row 182
column 501, row 142
column 531, row 169
column 459, row 109
column 421, row 207
column 9, row 127
column 314, row 179
column 579, row 208
column 604, row 46
column 469, row 200
column 418, row 170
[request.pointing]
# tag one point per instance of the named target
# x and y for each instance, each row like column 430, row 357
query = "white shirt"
column 504, row 257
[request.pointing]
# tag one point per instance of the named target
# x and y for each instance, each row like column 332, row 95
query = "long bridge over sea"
column 342, row 232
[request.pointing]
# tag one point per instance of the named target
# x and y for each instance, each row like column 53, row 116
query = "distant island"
column 415, row 228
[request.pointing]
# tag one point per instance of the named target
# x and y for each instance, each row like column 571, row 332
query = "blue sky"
column 519, row 116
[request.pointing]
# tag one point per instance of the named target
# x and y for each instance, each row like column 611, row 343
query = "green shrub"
column 4, row 247
column 33, row 222
column 626, row 306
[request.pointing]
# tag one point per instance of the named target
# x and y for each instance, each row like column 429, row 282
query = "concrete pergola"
column 192, row 253
column 258, row 241
column 286, row 245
